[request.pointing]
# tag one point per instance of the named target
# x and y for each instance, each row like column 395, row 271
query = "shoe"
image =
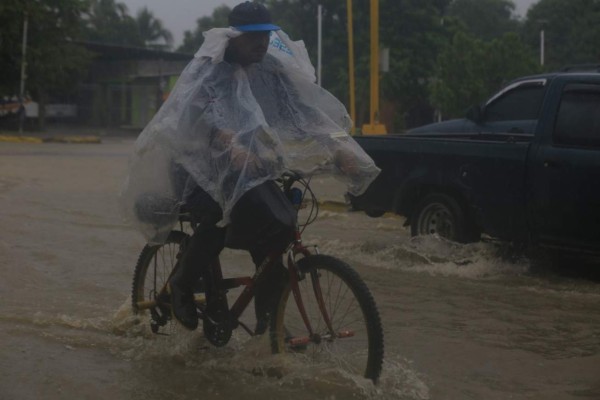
column 262, row 323
column 183, row 307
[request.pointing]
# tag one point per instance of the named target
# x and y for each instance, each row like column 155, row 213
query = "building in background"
column 126, row 85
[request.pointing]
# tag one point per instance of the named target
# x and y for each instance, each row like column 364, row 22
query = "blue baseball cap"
column 251, row 17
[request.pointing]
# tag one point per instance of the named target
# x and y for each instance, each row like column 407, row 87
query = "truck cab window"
column 578, row 119
column 521, row 103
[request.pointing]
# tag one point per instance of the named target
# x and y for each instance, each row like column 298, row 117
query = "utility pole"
column 542, row 47
column 374, row 127
column 351, row 64
column 23, row 75
column 542, row 24
column 319, row 42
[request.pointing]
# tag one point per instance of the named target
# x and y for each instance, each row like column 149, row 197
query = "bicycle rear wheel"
column 355, row 342
column 152, row 272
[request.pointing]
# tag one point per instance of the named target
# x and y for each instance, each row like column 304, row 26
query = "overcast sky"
column 181, row 15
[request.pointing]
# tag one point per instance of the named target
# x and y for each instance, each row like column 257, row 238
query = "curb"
column 73, row 139
column 52, row 139
column 19, row 139
column 333, row 205
column 340, row 206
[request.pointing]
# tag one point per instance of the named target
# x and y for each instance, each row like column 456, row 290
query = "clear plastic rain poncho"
column 228, row 129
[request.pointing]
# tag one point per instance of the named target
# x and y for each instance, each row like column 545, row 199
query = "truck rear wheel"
column 440, row 214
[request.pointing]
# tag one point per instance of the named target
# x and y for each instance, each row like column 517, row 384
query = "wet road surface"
column 460, row 321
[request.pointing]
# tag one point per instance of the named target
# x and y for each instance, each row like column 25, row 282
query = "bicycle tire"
column 352, row 309
column 151, row 273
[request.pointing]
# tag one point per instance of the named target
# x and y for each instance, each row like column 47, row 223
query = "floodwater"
column 460, row 321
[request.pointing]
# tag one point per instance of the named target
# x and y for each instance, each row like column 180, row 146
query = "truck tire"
column 440, row 214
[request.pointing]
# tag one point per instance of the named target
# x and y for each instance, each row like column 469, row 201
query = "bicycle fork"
column 318, row 292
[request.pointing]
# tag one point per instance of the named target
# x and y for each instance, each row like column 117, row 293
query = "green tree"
column 54, row 63
column 485, row 19
column 572, row 31
column 415, row 32
column 12, row 14
column 299, row 20
column 192, row 40
column 469, row 70
column 152, row 30
column 458, row 81
column 411, row 29
column 109, row 22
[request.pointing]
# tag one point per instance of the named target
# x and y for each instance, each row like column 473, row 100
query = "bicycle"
column 333, row 315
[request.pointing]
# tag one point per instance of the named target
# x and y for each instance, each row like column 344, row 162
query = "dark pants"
column 263, row 220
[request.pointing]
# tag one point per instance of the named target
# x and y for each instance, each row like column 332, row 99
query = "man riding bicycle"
column 245, row 110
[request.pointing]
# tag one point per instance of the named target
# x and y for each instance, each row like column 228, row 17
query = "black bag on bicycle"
column 262, row 217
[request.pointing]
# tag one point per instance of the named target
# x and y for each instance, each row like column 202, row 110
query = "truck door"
column 565, row 174
column 515, row 109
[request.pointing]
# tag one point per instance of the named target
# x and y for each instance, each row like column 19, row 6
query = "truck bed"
column 486, row 172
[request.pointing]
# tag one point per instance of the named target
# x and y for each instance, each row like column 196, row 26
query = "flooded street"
column 460, row 321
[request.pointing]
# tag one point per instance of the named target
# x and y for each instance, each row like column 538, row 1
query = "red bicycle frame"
column 296, row 248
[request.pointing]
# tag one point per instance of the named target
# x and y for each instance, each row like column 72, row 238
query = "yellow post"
column 374, row 127
column 351, row 64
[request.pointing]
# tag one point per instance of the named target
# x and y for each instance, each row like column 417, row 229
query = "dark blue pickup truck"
column 524, row 167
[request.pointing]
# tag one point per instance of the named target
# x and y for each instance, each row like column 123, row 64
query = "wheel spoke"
column 356, row 344
column 151, row 274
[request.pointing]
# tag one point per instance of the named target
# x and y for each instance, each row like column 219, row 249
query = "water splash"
column 248, row 360
column 432, row 255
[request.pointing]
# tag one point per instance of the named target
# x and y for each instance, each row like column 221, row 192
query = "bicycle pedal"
column 154, row 327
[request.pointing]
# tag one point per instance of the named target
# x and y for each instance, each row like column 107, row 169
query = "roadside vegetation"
column 445, row 55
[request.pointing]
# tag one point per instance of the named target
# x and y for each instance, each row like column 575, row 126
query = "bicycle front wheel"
column 351, row 340
column 152, row 272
